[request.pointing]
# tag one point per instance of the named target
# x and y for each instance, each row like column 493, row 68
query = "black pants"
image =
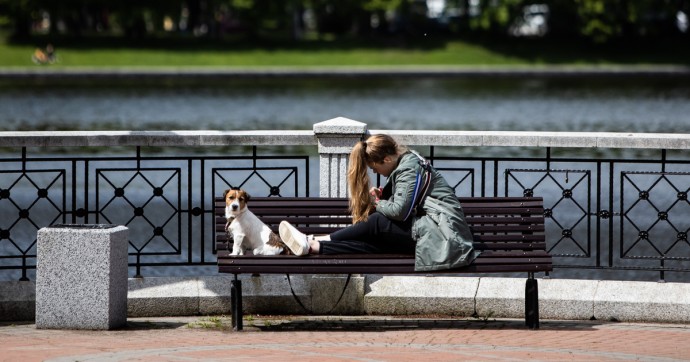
column 377, row 235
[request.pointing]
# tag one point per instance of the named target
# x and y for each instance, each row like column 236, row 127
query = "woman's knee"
column 378, row 222
column 377, row 218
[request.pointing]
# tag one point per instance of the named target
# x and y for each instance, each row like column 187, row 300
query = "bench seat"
column 487, row 262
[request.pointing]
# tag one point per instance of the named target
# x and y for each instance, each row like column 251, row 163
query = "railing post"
column 336, row 138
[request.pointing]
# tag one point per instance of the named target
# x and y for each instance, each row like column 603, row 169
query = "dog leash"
column 309, row 311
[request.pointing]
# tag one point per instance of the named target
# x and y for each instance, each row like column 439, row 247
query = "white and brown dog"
column 249, row 233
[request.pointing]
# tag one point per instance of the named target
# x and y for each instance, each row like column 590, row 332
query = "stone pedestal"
column 336, row 138
column 81, row 277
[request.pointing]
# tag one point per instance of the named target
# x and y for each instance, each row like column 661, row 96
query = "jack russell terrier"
column 248, row 232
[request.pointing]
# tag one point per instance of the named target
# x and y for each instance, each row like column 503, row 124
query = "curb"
column 560, row 299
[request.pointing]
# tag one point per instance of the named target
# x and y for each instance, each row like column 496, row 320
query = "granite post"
column 336, row 138
column 81, row 277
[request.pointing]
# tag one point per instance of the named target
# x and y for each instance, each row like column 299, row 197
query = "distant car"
column 532, row 23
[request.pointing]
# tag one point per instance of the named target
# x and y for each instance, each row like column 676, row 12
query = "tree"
column 19, row 12
column 496, row 16
column 601, row 21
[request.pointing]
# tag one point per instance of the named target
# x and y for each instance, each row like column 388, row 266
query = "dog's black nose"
column 235, row 207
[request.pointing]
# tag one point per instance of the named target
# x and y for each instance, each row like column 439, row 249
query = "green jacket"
column 443, row 238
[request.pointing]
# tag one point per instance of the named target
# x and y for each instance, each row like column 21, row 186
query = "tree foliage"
column 600, row 21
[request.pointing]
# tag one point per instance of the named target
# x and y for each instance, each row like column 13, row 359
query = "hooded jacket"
column 443, row 239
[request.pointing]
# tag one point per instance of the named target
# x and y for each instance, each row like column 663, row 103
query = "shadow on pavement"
column 339, row 323
column 130, row 326
column 362, row 324
column 152, row 324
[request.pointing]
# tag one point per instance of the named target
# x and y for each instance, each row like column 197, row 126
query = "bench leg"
column 236, row 303
column 532, row 303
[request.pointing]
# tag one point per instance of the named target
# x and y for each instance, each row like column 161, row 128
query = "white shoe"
column 293, row 238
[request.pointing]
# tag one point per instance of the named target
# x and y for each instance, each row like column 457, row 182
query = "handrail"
column 155, row 138
column 308, row 137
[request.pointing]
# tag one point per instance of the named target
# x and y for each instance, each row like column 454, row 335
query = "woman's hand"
column 375, row 193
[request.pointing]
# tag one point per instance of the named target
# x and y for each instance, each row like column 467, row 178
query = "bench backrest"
column 497, row 223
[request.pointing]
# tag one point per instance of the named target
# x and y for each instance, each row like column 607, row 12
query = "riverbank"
column 24, row 76
column 355, row 70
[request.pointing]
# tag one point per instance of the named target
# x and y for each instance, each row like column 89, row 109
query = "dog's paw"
column 237, row 252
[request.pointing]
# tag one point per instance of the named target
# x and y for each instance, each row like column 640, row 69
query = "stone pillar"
column 81, row 277
column 336, row 138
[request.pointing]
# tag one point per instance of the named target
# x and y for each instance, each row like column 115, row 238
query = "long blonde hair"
column 374, row 149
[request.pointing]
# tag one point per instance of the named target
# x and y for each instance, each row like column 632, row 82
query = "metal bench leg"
column 532, row 303
column 236, row 300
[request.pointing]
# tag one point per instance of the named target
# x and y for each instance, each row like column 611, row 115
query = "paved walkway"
column 349, row 339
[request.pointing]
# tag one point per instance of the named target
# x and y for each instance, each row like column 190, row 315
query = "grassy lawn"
column 457, row 53
column 427, row 51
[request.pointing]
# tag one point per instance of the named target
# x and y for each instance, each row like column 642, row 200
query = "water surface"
column 540, row 104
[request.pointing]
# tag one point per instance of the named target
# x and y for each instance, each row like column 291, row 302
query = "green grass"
column 423, row 51
column 455, row 53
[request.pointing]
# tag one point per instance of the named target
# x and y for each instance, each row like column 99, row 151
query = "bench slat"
column 266, row 268
column 306, row 220
column 382, row 264
column 510, row 246
column 506, row 228
column 221, row 245
column 371, row 269
column 383, row 258
column 503, row 237
column 471, row 203
column 330, row 218
column 342, row 210
column 310, row 201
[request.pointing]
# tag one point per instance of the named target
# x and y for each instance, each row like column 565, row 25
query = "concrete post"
column 336, row 138
column 81, row 277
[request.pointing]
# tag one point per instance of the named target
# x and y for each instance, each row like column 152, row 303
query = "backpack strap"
column 421, row 187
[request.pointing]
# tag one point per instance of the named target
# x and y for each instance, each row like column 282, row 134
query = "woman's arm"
column 397, row 206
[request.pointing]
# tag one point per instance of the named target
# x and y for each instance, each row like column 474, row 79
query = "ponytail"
column 358, row 183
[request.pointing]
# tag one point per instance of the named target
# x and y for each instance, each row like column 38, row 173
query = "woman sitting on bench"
column 416, row 212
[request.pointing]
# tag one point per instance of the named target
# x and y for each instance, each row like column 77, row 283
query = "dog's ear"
column 225, row 193
column 247, row 197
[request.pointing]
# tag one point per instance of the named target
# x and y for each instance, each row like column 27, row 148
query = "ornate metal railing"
column 165, row 201
column 625, row 214
column 606, row 214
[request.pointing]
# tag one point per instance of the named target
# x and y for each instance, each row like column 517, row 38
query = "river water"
column 645, row 104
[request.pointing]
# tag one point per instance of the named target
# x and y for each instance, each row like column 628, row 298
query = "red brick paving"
column 347, row 339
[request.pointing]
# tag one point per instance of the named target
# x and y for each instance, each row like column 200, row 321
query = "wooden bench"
column 509, row 232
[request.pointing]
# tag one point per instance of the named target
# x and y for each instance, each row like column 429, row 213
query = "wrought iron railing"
column 165, row 201
column 623, row 214
column 607, row 214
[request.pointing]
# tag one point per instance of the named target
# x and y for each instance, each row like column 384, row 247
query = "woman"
column 415, row 212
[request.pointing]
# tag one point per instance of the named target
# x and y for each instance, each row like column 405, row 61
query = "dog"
column 249, row 233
